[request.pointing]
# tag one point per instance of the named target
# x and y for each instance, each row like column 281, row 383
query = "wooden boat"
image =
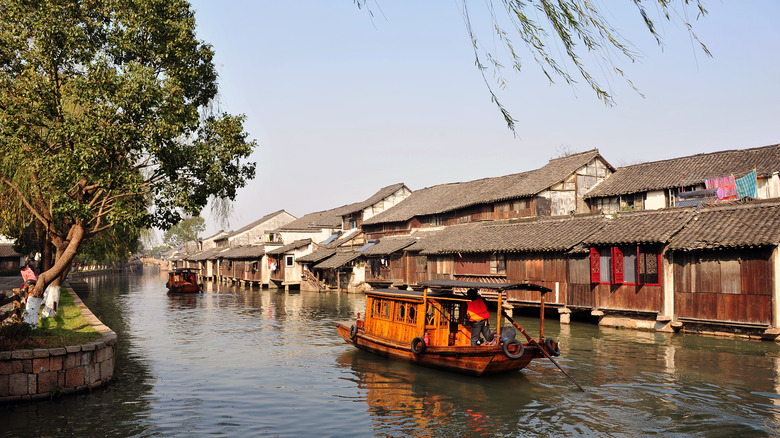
column 427, row 328
column 183, row 280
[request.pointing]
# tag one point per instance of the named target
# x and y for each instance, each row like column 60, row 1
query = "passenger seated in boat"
column 478, row 316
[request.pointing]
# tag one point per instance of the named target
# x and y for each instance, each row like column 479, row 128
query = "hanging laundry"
column 746, row 186
column 726, row 186
column 28, row 274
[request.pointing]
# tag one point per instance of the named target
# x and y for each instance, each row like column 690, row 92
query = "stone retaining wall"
column 43, row 373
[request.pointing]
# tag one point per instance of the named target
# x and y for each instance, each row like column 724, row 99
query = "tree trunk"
column 52, row 299
column 66, row 252
column 31, row 311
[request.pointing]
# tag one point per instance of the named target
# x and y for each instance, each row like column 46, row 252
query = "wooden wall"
column 472, row 264
column 580, row 292
column 416, row 267
column 719, row 286
column 545, row 269
column 728, row 285
column 630, row 297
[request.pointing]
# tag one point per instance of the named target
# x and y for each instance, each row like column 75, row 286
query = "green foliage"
column 157, row 251
column 100, row 121
column 187, row 230
column 112, row 247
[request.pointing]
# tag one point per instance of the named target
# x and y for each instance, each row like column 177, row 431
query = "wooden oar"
column 536, row 344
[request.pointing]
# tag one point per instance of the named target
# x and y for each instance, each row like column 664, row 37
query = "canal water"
column 240, row 362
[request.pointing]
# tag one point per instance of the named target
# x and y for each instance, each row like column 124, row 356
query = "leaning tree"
column 102, row 124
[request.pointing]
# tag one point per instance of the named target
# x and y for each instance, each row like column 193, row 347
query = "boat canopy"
column 449, row 284
column 185, row 270
column 414, row 294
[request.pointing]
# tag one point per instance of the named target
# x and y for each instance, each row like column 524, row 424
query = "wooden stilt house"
column 726, row 267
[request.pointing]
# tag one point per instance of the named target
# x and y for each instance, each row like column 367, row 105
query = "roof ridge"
column 702, row 154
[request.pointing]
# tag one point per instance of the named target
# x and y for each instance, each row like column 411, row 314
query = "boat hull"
column 184, row 288
column 475, row 361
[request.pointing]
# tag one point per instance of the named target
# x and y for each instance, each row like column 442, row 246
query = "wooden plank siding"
column 580, row 292
column 225, row 269
column 546, row 269
column 416, row 267
column 630, row 297
column 472, row 264
column 728, row 285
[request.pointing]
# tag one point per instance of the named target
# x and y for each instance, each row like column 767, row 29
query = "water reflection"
column 241, row 362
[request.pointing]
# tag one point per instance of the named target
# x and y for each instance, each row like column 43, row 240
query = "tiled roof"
column 378, row 196
column 318, row 220
column 526, row 236
column 244, row 252
column 389, row 245
column 317, row 256
column 7, row 250
column 338, row 260
column 265, row 218
column 749, row 224
column 449, row 197
column 688, row 171
column 349, row 235
column 332, row 218
column 218, row 235
column 289, row 247
column 208, row 254
column 653, row 226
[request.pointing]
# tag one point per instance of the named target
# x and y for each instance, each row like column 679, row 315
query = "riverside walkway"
column 10, row 283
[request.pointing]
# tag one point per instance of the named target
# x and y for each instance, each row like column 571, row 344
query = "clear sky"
column 343, row 102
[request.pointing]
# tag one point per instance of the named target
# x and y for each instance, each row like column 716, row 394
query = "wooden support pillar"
column 665, row 319
column 776, row 289
column 565, row 315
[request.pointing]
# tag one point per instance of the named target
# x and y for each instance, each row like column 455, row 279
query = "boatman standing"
column 478, row 315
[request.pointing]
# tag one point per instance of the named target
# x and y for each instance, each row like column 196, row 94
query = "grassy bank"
column 67, row 328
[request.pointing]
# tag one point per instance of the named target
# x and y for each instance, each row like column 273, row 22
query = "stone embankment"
column 43, row 373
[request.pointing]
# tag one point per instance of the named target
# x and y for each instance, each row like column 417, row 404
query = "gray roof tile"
column 338, row 260
column 732, row 225
column 526, row 236
column 289, row 247
column 653, row 226
column 389, row 245
column 688, row 171
column 449, row 197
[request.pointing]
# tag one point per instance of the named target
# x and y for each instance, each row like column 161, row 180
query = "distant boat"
column 427, row 328
column 183, row 280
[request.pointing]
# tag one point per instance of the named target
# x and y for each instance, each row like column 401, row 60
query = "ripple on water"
column 234, row 362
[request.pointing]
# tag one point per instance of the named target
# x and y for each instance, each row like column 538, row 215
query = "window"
column 289, row 261
column 629, row 264
column 498, row 264
column 406, row 313
column 649, row 260
column 606, row 265
column 450, row 312
column 381, row 308
column 625, row 265
column 430, row 316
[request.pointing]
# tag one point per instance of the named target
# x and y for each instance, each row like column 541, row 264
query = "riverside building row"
column 687, row 243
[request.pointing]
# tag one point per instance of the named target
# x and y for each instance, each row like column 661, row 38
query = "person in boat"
column 478, row 316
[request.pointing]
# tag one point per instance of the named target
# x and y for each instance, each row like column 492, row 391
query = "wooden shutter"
column 617, row 266
column 595, row 266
